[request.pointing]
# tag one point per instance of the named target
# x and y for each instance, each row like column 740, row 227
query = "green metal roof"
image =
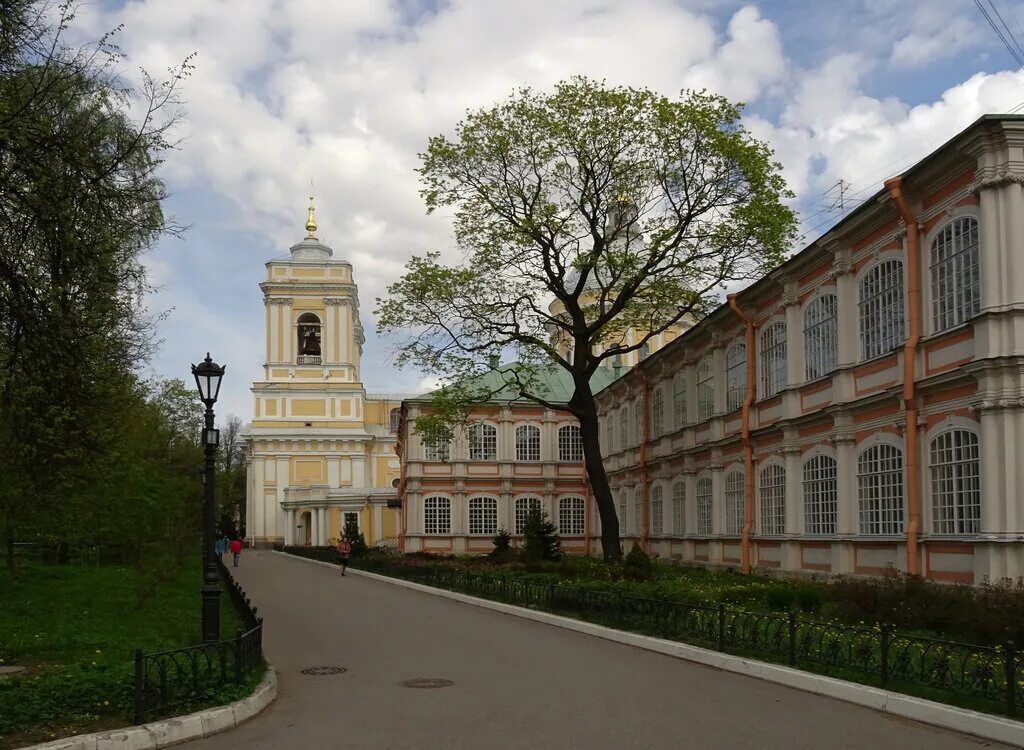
column 549, row 382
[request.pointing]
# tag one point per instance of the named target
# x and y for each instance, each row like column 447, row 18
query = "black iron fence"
column 169, row 681
column 983, row 677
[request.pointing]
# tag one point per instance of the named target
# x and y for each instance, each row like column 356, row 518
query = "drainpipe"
column 909, row 360
column 748, row 449
column 644, row 435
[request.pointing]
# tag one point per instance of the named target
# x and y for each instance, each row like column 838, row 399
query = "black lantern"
column 208, row 375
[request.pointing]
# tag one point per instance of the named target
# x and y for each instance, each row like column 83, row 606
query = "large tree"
column 581, row 214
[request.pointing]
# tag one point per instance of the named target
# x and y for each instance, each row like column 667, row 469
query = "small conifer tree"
column 355, row 536
column 541, row 537
column 502, row 551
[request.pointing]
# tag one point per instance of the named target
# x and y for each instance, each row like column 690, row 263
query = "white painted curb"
column 176, row 730
column 985, row 726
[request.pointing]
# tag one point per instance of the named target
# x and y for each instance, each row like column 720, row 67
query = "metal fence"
column 182, row 677
column 983, row 677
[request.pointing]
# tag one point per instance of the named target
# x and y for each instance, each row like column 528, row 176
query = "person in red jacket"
column 236, row 550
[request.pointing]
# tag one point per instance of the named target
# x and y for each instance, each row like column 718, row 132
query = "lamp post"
column 208, row 375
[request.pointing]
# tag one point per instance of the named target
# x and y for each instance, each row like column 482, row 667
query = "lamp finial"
column 311, row 221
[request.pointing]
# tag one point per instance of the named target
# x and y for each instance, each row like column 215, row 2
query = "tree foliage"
column 581, row 214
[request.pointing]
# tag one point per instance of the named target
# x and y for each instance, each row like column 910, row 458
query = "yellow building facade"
column 320, row 450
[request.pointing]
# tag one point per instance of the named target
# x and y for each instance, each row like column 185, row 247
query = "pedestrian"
column 236, row 551
column 221, row 546
column 344, row 551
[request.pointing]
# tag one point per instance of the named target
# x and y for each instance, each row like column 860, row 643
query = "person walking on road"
column 221, row 546
column 236, row 551
column 344, row 551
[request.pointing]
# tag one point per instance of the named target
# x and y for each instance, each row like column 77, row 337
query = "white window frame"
column 880, row 307
column 622, row 510
column 657, row 412
column 657, row 511
column 523, row 506
column 820, row 485
column 773, row 358
column 483, row 516
column 437, row 451
column 704, row 498
column 821, row 335
column 624, row 427
column 771, row 490
column 954, row 272
column 570, row 443
column 734, row 501
column 679, row 400
column 437, row 515
column 483, row 442
column 679, row 507
column 528, row 443
column 572, row 516
column 954, row 469
column 880, row 490
column 735, row 375
column 705, row 389
column 638, row 511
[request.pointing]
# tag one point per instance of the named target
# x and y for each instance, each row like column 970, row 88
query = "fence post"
column 551, row 595
column 1010, row 667
column 137, row 702
column 721, row 627
column 792, row 638
column 884, row 642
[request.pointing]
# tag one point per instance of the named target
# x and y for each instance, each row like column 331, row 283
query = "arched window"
column 638, row 511
column 773, row 359
column 308, row 349
column 735, row 376
column 623, row 512
column 483, row 515
column 881, row 309
column 821, row 336
column 678, row 507
column 773, row 499
column 611, row 422
column 705, row 389
column 437, row 515
column 705, row 506
column 956, row 275
column 956, row 486
column 571, row 516
column 483, row 442
column 735, row 512
column 395, row 419
column 679, row 400
column 527, row 443
column 880, row 489
column 657, row 511
column 821, row 498
column 638, row 422
column 657, row 413
column 570, row 443
column 436, row 450
column 523, row 507
column 624, row 425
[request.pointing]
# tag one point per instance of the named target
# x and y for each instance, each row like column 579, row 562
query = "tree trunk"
column 586, row 411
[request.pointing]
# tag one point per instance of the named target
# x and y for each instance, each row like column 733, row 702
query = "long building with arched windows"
column 859, row 410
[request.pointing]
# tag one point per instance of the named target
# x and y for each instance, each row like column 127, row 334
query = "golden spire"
column 311, row 221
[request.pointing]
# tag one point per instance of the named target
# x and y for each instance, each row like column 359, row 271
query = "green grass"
column 76, row 629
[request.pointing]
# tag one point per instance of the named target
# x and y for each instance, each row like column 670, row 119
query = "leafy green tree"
column 581, row 214
column 540, row 537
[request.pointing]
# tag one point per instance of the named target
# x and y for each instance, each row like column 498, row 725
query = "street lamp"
column 208, row 375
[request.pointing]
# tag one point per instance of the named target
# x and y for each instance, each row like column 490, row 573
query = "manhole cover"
column 318, row 671
column 426, row 682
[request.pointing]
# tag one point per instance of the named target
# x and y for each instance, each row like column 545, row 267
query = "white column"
column 794, row 496
column 257, row 500
column 327, row 355
column 848, row 323
column 289, row 526
column 717, row 500
column 289, row 333
column 847, row 517
column 718, row 367
column 359, row 470
column 324, row 529
column 274, row 314
column 378, row 523
column 795, row 369
column 690, row 504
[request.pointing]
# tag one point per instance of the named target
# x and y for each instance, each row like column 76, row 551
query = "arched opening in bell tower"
column 309, row 340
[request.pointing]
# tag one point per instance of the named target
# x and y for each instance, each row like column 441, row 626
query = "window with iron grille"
column 773, row 359
column 523, row 507
column 570, row 443
column 705, row 389
column 395, row 418
column 483, row 515
column 638, row 511
column 734, row 503
column 624, row 425
column 821, row 336
column 735, row 376
column 956, row 483
column 880, row 489
column 678, row 400
column 638, row 421
column 623, row 512
column 657, row 511
column 705, row 506
column 657, row 413
column 773, row 499
column 678, row 507
column 437, row 515
column 483, row 442
column 437, row 451
column 956, row 275
column 527, row 443
column 571, row 516
column 881, row 309
column 821, row 498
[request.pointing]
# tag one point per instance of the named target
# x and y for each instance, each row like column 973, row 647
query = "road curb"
column 962, row 720
column 176, row 730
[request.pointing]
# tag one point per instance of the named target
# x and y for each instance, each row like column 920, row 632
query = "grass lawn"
column 76, row 629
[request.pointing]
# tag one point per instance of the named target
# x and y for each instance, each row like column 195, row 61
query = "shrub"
column 809, row 598
column 779, row 597
column 637, row 566
column 540, row 536
column 502, row 551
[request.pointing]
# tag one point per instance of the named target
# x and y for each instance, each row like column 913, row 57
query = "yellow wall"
column 308, row 470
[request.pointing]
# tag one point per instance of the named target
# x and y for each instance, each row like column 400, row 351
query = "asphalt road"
column 517, row 684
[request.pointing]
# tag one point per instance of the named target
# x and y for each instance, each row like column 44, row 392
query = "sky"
column 344, row 94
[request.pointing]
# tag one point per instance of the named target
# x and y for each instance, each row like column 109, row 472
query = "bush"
column 809, row 598
column 541, row 538
column 779, row 597
column 637, row 566
column 502, row 551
